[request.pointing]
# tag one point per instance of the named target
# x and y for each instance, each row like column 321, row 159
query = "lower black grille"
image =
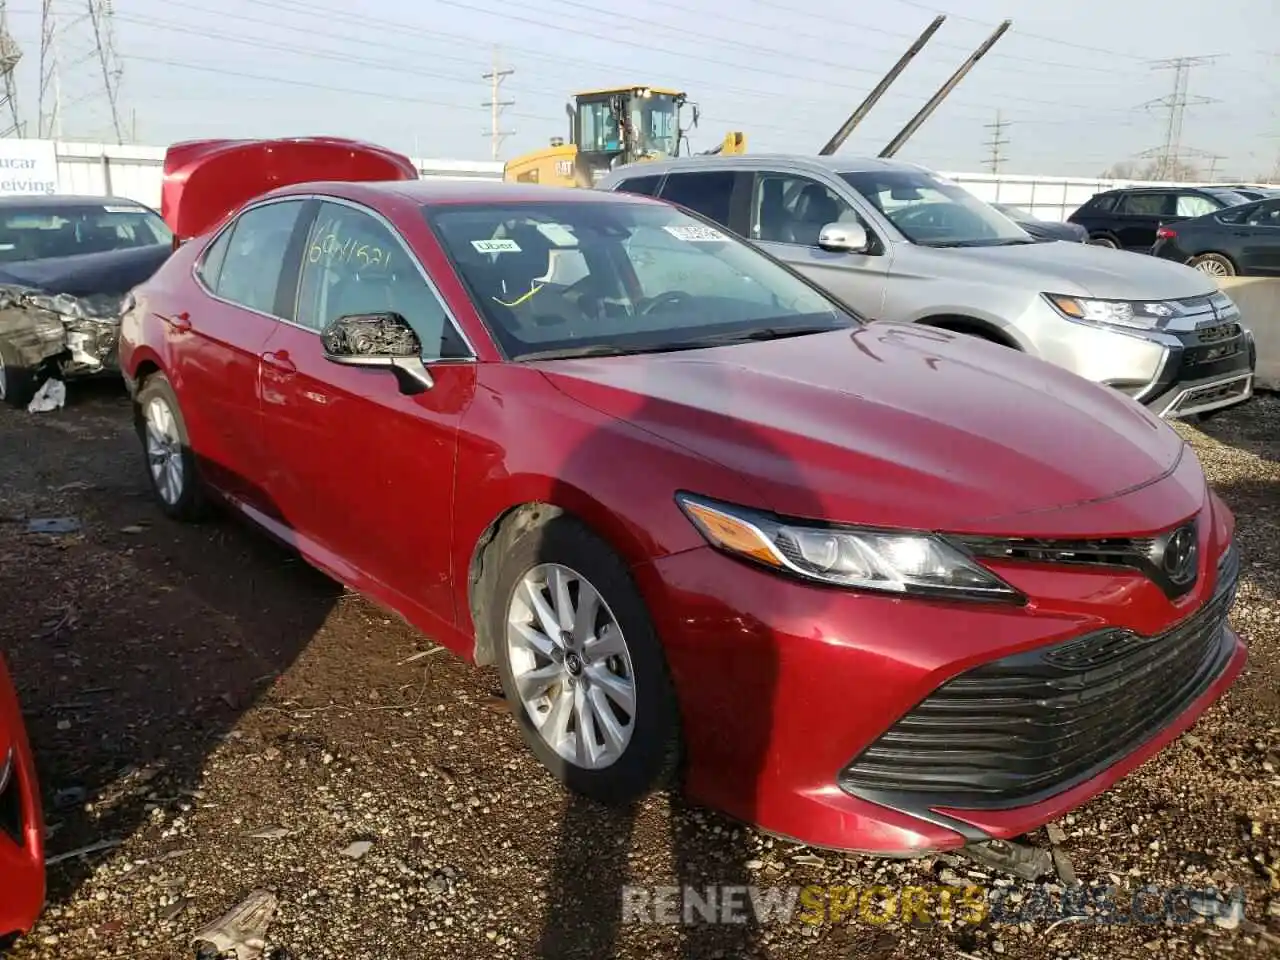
column 1020, row 729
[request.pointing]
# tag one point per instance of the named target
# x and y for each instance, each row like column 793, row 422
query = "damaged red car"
column 21, row 821
column 872, row 587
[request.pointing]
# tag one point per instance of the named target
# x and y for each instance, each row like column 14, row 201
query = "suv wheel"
column 581, row 664
column 1214, row 264
column 1104, row 242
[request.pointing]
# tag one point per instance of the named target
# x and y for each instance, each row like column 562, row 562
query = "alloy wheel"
column 571, row 666
column 1214, row 268
column 164, row 450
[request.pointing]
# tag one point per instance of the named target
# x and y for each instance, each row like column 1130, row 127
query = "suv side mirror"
column 844, row 238
column 378, row 340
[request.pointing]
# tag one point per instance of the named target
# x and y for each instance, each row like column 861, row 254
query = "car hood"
column 108, row 272
column 1079, row 269
column 889, row 424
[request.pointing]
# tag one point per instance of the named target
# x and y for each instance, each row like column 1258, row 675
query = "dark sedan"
column 1043, row 229
column 1238, row 241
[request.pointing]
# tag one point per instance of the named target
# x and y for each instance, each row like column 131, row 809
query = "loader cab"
column 623, row 125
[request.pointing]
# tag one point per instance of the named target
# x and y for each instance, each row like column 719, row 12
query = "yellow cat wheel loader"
column 608, row 128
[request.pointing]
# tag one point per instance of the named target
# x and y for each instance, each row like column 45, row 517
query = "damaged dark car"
column 67, row 265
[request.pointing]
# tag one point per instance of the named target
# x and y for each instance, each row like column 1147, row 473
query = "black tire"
column 1102, row 240
column 650, row 759
column 18, row 381
column 190, row 505
column 1225, row 267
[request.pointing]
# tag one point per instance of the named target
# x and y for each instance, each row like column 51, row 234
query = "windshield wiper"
column 746, row 336
column 587, row 350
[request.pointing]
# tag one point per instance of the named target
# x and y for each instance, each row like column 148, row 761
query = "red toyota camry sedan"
column 21, row 822
column 873, row 587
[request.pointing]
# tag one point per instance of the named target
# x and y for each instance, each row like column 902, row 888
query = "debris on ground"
column 51, row 396
column 241, row 933
column 53, row 525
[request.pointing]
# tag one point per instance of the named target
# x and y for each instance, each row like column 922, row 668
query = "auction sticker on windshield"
column 498, row 245
column 558, row 234
column 695, row 233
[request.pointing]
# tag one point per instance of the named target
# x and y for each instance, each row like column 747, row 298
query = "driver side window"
column 790, row 209
column 354, row 264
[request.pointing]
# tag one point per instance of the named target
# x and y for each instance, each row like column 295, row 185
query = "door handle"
column 279, row 361
column 180, row 322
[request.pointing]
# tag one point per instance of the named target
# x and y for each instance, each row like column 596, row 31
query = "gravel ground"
column 233, row 720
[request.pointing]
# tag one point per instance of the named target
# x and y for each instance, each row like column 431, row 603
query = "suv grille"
column 1020, row 729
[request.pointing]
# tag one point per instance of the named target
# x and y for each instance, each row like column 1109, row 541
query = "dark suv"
column 1128, row 218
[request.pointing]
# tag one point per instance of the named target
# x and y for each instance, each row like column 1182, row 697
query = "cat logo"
column 564, row 168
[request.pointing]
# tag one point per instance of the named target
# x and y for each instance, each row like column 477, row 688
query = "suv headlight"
column 891, row 561
column 1133, row 314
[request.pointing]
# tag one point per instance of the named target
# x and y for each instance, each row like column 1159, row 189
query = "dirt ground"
column 229, row 719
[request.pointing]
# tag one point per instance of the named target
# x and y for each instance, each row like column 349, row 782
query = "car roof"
column 54, row 200
column 789, row 161
column 443, row 192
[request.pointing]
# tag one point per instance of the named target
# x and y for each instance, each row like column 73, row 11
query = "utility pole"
column 1170, row 154
column 495, row 77
column 10, row 54
column 996, row 142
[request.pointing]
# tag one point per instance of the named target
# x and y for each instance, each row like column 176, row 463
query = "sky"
column 1069, row 79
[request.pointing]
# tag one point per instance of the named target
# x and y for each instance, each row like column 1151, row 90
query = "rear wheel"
column 581, row 664
column 1103, row 241
column 171, row 466
column 1214, row 264
column 18, row 382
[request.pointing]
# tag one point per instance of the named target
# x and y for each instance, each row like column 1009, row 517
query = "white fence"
column 98, row 169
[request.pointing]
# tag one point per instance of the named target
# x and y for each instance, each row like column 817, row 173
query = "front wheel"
column 1213, row 264
column 581, row 664
column 18, row 382
column 171, row 465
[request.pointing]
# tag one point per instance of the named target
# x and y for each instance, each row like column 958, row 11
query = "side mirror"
column 844, row 238
column 378, row 340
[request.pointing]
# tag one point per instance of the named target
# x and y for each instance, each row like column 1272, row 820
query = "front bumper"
column 796, row 699
column 22, row 879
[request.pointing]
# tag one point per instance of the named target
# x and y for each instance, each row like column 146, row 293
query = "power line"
column 495, row 77
column 1169, row 155
column 104, row 42
column 995, row 158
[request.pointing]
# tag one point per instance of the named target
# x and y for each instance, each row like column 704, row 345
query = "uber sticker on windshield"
column 499, row 245
column 558, row 234
column 695, row 233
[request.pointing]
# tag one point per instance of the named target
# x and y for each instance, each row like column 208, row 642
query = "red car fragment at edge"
column 21, row 820
column 878, row 587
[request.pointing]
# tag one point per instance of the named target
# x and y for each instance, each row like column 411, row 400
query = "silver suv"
column 898, row 242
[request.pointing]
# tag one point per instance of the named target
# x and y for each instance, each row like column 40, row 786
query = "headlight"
column 1134, row 314
column 884, row 560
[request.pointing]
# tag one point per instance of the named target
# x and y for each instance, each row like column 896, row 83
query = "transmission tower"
column 77, row 45
column 995, row 158
column 495, row 132
column 10, row 54
column 104, row 40
column 1169, row 155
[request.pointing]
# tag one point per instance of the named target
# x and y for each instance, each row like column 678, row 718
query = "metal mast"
column 10, row 54
column 1169, row 154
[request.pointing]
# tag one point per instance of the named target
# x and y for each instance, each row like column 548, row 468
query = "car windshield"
column 935, row 212
column 607, row 277
column 44, row 230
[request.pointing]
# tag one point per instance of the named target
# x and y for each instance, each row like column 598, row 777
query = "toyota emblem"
column 1180, row 555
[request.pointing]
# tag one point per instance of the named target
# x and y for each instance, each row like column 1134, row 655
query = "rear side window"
column 1265, row 215
column 645, row 186
column 1194, row 205
column 709, row 192
column 1147, row 204
column 1102, row 203
column 250, row 274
